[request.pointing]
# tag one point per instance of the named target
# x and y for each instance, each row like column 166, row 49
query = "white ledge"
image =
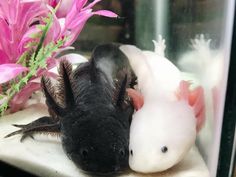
column 45, row 157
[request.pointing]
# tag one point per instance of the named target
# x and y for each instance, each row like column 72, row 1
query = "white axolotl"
column 164, row 128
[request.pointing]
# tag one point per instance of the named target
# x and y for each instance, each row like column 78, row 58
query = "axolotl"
column 169, row 113
column 91, row 110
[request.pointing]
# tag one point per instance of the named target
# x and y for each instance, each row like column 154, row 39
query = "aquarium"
column 164, row 68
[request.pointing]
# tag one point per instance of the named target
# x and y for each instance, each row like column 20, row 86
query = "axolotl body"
column 164, row 128
column 91, row 110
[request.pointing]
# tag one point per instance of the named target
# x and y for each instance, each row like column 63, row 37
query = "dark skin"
column 91, row 110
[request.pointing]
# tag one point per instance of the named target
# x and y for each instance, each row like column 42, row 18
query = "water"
column 198, row 38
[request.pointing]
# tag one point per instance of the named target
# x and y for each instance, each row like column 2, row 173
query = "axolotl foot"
column 159, row 46
column 200, row 42
column 43, row 124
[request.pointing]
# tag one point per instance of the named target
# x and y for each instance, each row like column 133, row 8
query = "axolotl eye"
column 84, row 152
column 131, row 152
column 122, row 152
column 164, row 149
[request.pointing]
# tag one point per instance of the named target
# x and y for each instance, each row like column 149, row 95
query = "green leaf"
column 3, row 108
column 24, row 80
column 31, row 44
column 22, row 58
column 2, row 96
column 40, row 27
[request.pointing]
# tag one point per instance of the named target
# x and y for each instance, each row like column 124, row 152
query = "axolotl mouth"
column 118, row 171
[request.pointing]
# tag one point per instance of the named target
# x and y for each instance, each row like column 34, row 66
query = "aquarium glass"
column 198, row 37
column 197, row 40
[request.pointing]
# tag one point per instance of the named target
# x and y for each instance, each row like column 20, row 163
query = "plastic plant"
column 33, row 33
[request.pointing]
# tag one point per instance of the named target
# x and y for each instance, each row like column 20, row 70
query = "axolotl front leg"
column 159, row 46
column 43, row 124
column 49, row 124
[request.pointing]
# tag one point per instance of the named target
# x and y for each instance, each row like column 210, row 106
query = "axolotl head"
column 161, row 134
column 98, row 148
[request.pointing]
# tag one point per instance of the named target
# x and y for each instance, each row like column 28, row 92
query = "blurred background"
column 141, row 21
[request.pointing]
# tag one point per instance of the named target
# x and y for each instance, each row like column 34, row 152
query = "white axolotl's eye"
column 131, row 152
column 164, row 149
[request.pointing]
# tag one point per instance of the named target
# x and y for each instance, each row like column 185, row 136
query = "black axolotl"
column 92, row 111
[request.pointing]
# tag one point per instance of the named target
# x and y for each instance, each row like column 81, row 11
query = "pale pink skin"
column 16, row 19
column 170, row 116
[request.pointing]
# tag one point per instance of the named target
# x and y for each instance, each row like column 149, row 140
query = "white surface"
column 45, row 156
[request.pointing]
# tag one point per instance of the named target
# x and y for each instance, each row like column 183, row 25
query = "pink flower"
column 64, row 6
column 72, row 16
column 78, row 16
column 9, row 71
column 19, row 99
column 18, row 19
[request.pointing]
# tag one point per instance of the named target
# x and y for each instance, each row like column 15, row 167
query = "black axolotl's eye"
column 84, row 152
column 164, row 149
column 122, row 152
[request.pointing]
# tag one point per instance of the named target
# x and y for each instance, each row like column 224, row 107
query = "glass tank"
column 196, row 36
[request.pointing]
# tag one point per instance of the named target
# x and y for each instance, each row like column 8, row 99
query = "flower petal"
column 72, row 13
column 5, row 30
column 73, row 28
column 27, row 38
column 73, row 34
column 74, row 58
column 13, row 12
column 106, row 13
column 21, row 98
column 80, row 18
column 5, row 36
column 27, row 1
column 54, row 32
column 10, row 71
column 64, row 8
column 89, row 6
column 3, row 57
column 80, row 4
